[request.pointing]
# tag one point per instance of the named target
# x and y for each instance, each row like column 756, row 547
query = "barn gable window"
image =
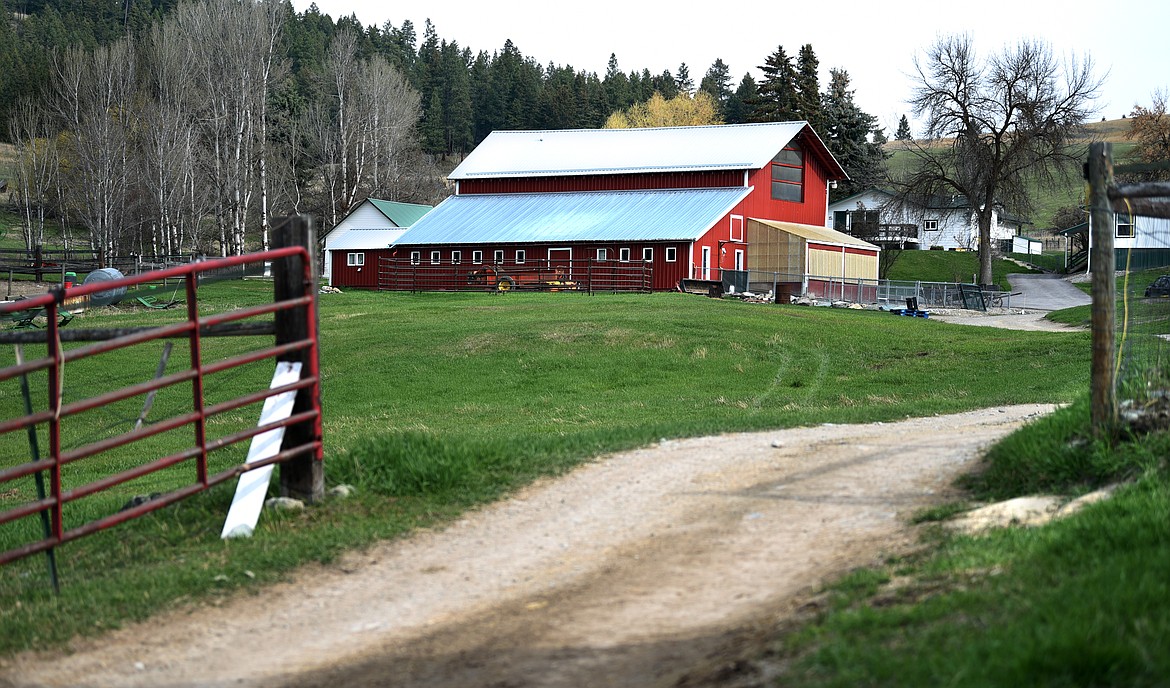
column 355, row 259
column 477, row 257
column 415, row 257
column 788, row 174
column 648, row 254
column 671, row 254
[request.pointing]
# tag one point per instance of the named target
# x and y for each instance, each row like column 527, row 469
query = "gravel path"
column 630, row 571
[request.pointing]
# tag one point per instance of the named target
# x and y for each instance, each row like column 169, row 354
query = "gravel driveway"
column 630, row 571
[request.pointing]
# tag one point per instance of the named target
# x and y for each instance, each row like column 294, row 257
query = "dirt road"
column 630, row 571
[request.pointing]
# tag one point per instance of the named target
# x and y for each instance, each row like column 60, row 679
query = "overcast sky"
column 874, row 41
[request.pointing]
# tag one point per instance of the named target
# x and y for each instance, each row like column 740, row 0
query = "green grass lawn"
column 436, row 402
column 1083, row 601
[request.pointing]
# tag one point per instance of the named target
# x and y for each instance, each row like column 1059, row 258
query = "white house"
column 1139, row 242
column 946, row 222
column 373, row 224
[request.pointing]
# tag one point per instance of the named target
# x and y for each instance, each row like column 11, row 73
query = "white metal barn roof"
column 608, row 151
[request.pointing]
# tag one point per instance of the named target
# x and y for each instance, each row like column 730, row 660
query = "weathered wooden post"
column 1103, row 398
column 302, row 477
column 38, row 262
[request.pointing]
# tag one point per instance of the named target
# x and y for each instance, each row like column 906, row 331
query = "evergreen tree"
column 717, row 83
column 740, row 106
column 807, row 96
column 683, row 80
column 456, row 99
column 617, row 86
column 903, row 133
column 847, row 132
column 777, row 92
column 665, row 84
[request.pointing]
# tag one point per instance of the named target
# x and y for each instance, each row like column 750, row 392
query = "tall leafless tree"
column 996, row 128
column 32, row 132
column 94, row 96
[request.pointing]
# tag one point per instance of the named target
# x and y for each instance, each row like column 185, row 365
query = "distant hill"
column 1048, row 200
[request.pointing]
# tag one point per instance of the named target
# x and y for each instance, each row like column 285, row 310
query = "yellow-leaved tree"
column 680, row 111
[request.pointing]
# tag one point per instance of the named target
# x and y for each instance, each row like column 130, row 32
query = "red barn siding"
column 614, row 182
column 665, row 275
column 364, row 278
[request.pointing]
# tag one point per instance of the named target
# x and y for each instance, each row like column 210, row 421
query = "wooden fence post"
column 302, row 477
column 1103, row 397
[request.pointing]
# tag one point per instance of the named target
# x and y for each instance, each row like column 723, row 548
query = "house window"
column 1124, row 226
column 841, row 221
column 477, row 257
column 648, row 254
column 671, row 254
column 603, row 254
column 624, row 255
column 355, row 259
column 456, row 257
column 436, row 257
column 788, row 174
column 415, row 257
column 930, row 225
column 521, row 256
column 498, row 256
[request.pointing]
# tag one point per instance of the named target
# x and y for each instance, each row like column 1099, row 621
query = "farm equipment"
column 494, row 278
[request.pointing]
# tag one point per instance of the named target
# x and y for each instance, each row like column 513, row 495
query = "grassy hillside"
column 1070, row 191
column 435, row 402
column 948, row 266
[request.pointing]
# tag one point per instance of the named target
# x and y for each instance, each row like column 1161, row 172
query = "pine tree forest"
column 170, row 126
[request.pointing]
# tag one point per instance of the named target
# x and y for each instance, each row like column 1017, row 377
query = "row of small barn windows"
column 624, row 256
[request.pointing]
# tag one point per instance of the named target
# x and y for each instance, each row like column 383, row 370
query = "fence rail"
column 535, row 275
column 297, row 342
column 866, row 291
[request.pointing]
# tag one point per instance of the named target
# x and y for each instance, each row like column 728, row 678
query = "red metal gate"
column 306, row 418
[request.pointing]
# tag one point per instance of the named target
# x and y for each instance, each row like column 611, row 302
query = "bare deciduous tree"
column 95, row 91
column 31, row 131
column 1001, row 126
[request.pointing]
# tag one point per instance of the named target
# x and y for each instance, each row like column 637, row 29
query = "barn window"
column 456, row 257
column 477, row 257
column 788, row 174
column 1124, row 226
column 671, row 254
column 736, row 228
column 415, row 257
column 355, row 259
column 521, row 255
column 436, row 257
column 498, row 256
column 624, row 255
column 603, row 254
column 648, row 254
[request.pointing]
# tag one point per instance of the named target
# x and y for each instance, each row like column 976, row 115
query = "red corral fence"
column 293, row 328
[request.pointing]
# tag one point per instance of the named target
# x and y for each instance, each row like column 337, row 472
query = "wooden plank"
column 1103, row 392
column 253, row 485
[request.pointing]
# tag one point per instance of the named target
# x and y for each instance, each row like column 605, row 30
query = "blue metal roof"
column 675, row 214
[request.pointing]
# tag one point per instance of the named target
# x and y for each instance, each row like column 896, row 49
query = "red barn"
column 674, row 199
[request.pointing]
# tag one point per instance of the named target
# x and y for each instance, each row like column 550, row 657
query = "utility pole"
column 1103, row 398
